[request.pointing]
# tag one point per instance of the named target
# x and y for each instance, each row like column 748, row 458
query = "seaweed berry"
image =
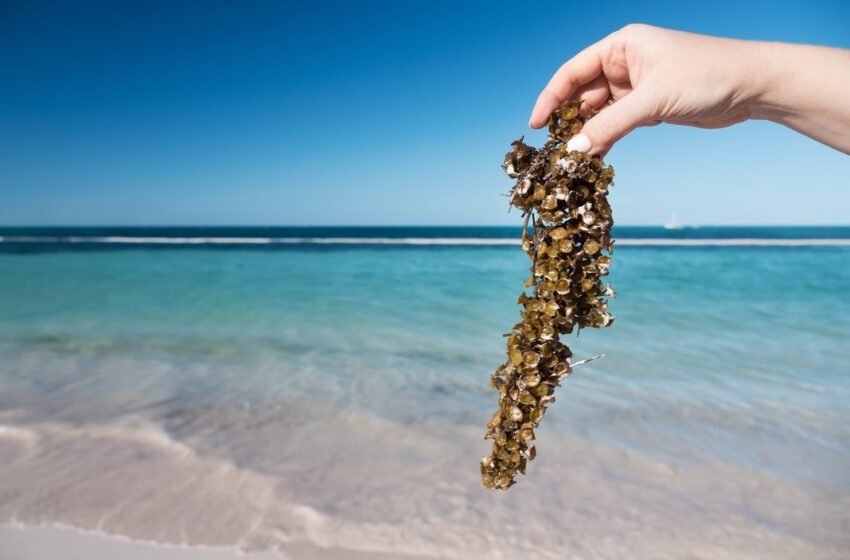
column 567, row 234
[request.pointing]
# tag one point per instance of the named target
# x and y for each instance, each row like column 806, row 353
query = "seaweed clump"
column 563, row 197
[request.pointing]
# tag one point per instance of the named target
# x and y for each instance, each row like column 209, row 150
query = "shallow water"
column 338, row 395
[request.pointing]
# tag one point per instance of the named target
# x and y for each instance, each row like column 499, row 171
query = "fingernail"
column 579, row 143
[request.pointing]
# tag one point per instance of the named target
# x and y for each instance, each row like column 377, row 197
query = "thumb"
column 613, row 122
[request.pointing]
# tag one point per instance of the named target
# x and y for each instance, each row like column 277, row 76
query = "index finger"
column 574, row 73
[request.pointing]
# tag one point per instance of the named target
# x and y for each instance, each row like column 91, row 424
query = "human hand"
column 654, row 75
column 657, row 75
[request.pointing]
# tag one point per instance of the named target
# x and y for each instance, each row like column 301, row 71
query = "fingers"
column 576, row 72
column 594, row 94
column 615, row 121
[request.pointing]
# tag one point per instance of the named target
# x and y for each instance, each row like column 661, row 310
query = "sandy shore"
column 49, row 543
column 46, row 543
column 135, row 480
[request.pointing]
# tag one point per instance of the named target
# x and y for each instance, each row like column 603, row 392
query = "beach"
column 75, row 544
column 322, row 400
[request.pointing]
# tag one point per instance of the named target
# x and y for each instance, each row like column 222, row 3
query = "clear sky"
column 362, row 113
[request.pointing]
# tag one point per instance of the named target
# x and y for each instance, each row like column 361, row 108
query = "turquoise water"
column 291, row 363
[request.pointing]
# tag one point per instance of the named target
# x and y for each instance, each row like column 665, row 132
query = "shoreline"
column 65, row 542
column 57, row 540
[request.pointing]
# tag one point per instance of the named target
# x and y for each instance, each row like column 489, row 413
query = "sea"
column 275, row 388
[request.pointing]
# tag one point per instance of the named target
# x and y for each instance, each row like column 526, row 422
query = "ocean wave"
column 415, row 241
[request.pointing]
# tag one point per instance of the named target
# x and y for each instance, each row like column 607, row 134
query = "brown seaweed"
column 564, row 199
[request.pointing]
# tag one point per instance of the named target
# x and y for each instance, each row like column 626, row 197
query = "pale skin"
column 657, row 75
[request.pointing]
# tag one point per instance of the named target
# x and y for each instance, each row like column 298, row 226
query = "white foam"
column 22, row 435
column 419, row 241
column 738, row 242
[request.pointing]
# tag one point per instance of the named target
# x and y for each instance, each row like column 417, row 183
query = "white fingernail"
column 579, row 143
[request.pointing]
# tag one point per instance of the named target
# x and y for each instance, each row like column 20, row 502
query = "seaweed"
column 567, row 234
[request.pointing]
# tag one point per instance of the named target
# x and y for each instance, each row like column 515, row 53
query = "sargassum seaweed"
column 567, row 234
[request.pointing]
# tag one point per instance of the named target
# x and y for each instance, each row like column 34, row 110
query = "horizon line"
column 679, row 226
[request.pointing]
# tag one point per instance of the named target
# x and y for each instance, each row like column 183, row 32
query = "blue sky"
column 362, row 113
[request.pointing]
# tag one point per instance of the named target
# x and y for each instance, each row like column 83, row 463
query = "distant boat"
column 673, row 223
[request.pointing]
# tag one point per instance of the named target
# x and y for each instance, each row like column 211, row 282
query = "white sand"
column 49, row 543
column 585, row 500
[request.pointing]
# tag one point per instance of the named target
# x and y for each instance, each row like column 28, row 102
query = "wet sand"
column 585, row 501
column 48, row 543
column 60, row 543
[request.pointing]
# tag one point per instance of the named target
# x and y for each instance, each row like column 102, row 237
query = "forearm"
column 806, row 88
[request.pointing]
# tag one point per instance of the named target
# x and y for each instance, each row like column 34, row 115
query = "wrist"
column 760, row 81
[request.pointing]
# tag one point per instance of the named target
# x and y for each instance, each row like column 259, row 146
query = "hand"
column 657, row 75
